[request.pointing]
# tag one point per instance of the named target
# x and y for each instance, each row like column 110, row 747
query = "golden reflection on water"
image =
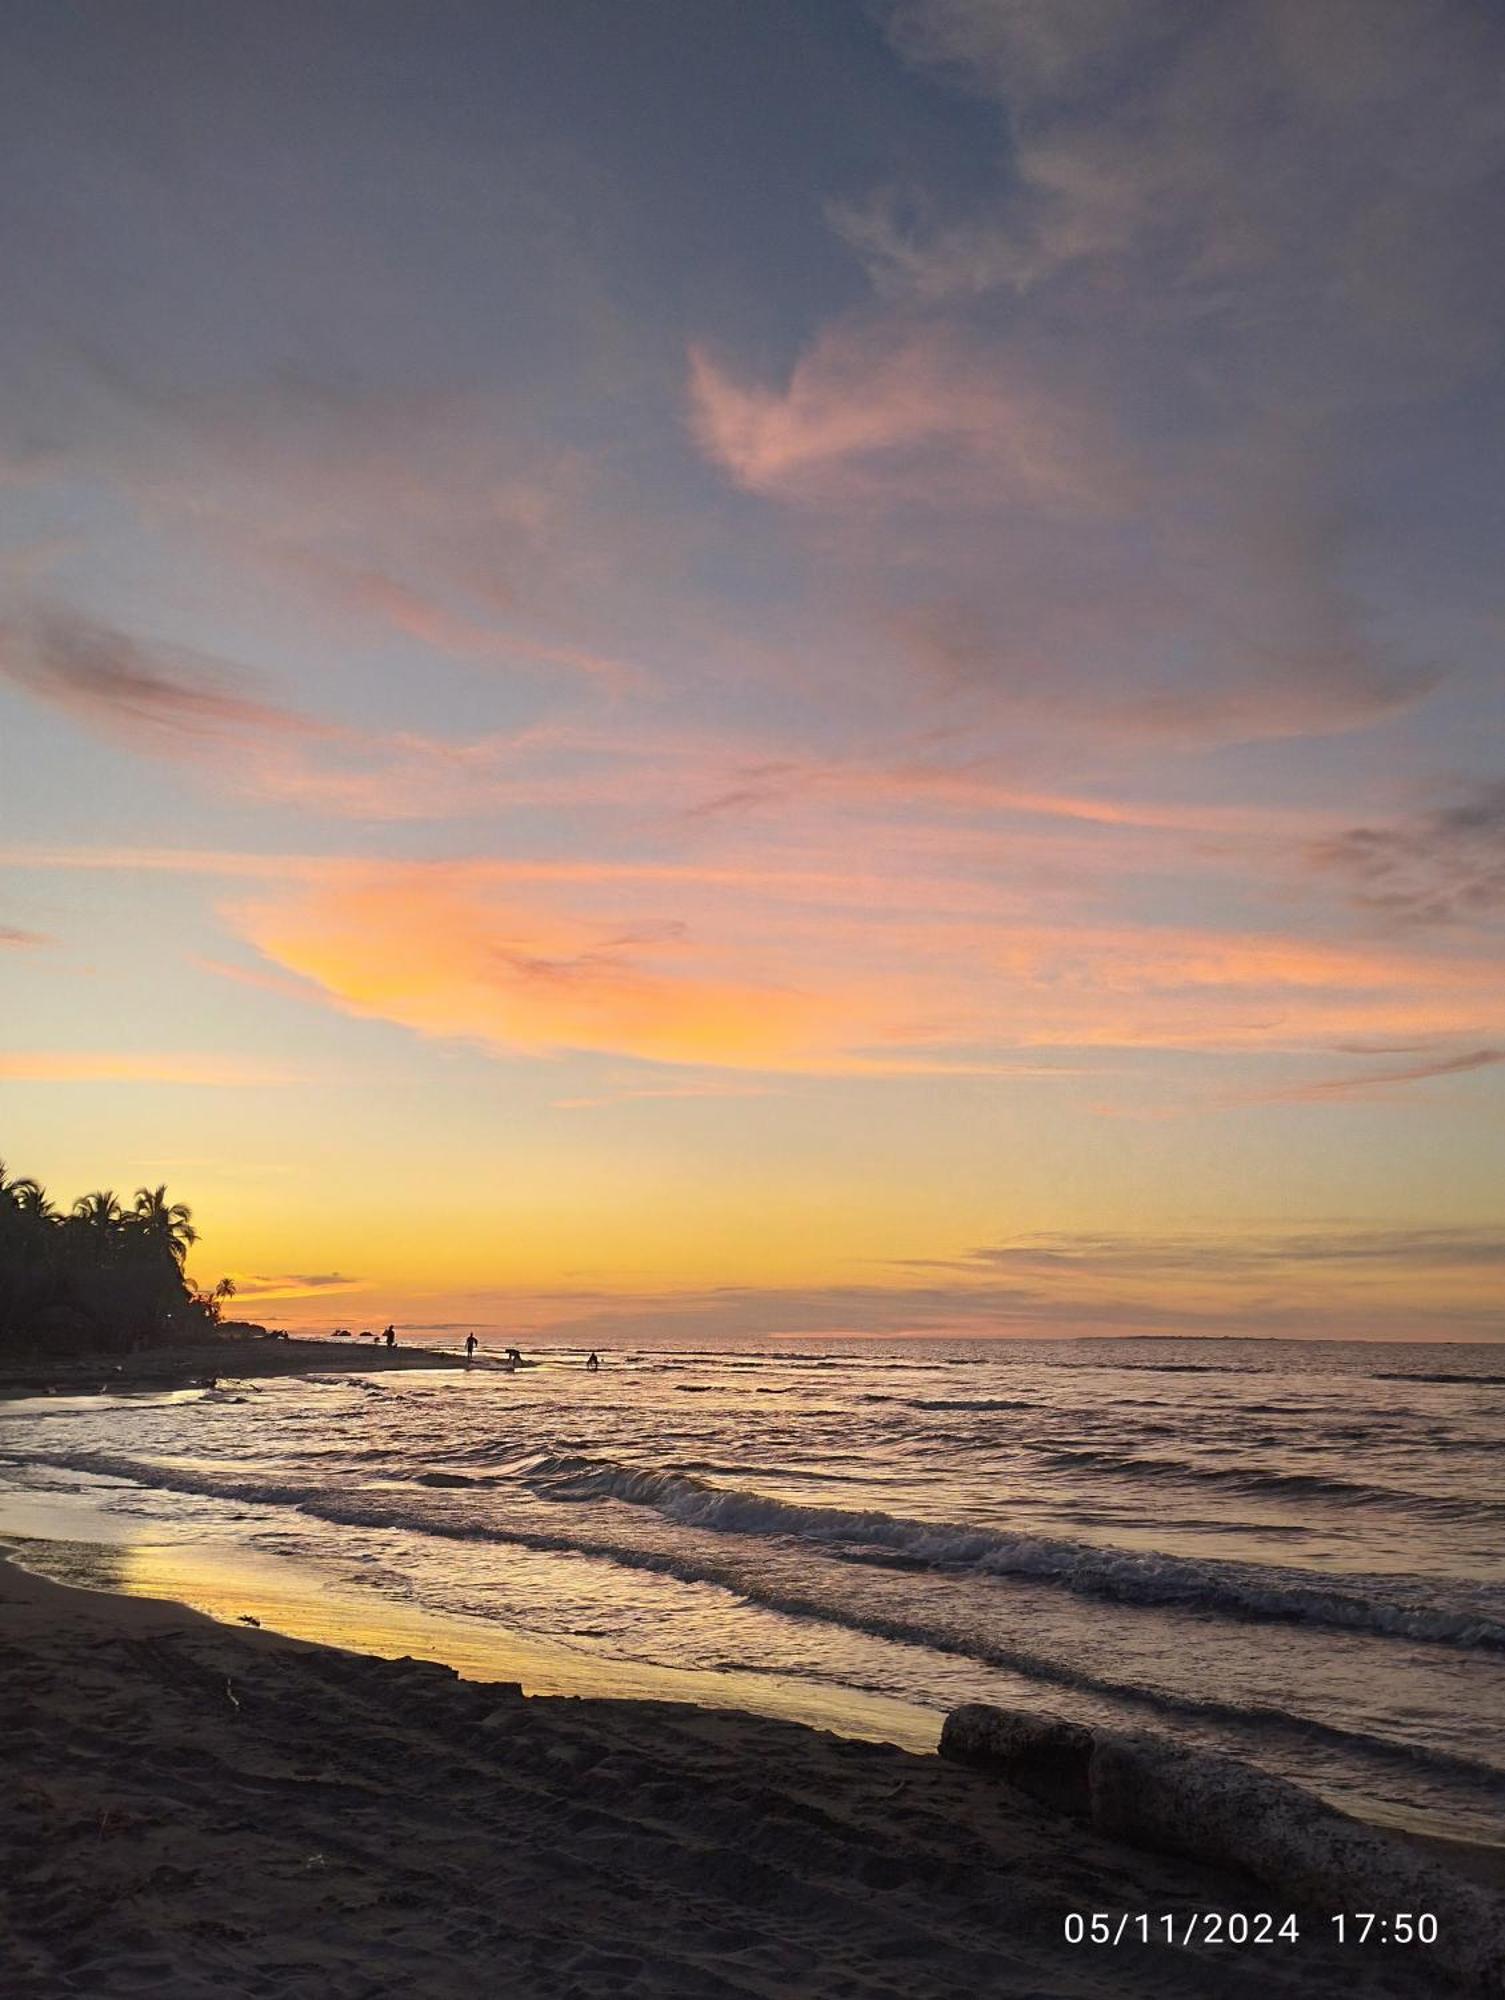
column 231, row 1584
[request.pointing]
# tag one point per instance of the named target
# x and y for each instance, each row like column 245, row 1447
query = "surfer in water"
column 593, row 1362
column 470, row 1347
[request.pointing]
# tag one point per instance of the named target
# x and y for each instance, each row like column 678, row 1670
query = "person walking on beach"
column 470, row 1347
column 592, row 1362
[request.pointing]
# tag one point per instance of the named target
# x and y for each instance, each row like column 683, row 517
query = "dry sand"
column 192, row 1809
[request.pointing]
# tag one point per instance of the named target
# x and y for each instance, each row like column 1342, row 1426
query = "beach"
column 194, row 1809
column 429, row 1680
column 1288, row 1553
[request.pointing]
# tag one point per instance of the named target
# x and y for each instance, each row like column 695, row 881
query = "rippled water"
column 1288, row 1550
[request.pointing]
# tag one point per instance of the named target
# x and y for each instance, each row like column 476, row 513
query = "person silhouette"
column 390, row 1336
column 470, row 1346
column 593, row 1362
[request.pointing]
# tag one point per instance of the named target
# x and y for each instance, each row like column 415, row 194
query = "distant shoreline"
column 205, row 1361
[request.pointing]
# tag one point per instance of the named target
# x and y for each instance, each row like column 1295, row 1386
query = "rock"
column 1216, row 1810
column 1042, row 1755
column 1149, row 1792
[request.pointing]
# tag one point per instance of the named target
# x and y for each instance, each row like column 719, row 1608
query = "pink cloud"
column 877, row 411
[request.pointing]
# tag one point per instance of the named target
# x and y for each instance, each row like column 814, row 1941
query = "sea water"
column 1292, row 1552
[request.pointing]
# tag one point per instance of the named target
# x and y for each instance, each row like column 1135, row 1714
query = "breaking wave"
column 1238, row 1590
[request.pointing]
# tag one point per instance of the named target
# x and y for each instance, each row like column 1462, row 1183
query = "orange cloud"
column 442, row 953
column 784, row 972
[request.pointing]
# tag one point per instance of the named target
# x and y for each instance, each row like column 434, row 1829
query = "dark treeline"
column 100, row 1277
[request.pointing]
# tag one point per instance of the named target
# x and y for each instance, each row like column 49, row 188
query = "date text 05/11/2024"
column 1237, row 1927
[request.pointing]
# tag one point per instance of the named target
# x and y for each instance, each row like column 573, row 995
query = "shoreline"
column 201, row 1809
column 66, row 1540
column 198, row 1366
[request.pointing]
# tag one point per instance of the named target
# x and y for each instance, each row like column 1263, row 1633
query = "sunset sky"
column 767, row 667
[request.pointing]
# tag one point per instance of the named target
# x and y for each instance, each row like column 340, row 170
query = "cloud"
column 1297, row 189
column 807, row 972
column 310, row 1281
column 110, row 1066
column 871, row 946
column 872, row 410
column 1047, row 1300
column 166, row 697
column 12, row 936
column 178, row 704
column 1446, row 867
column 630, row 1095
column 1097, row 462
column 1062, row 1253
column 435, row 622
column 1377, row 1084
column 1075, row 580
column 1022, row 45
column 443, row 953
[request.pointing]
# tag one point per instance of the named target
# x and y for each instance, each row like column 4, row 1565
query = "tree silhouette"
column 99, row 1277
column 168, row 1223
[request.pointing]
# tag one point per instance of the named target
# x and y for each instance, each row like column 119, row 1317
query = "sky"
column 822, row 667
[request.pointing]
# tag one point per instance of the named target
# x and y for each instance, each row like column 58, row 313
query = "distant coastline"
column 200, row 1363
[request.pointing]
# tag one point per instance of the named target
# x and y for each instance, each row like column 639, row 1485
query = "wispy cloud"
column 167, row 697
column 113, row 1066
column 11, row 935
column 290, row 1283
column 1148, row 534
column 874, row 411
column 629, row 1094
column 1444, row 867
column 1252, row 1261
column 170, row 702
column 1378, row 1083
column 1301, row 185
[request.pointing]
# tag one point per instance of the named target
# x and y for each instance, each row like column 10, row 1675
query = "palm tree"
column 100, row 1212
column 31, row 1198
column 167, row 1223
column 22, row 1193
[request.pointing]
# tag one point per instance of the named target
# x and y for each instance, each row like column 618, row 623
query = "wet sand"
column 197, row 1809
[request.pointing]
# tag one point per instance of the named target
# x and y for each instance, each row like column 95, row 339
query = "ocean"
column 1292, row 1552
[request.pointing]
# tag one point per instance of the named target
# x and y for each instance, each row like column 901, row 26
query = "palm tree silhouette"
column 167, row 1223
column 31, row 1198
column 98, row 1276
column 100, row 1213
column 23, row 1193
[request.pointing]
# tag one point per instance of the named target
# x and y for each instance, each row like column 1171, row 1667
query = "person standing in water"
column 470, row 1347
column 592, row 1362
column 390, row 1336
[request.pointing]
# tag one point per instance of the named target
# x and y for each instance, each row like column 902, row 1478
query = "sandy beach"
column 196, row 1809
